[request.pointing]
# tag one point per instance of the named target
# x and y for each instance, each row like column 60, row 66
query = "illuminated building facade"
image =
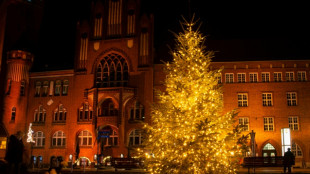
column 100, row 105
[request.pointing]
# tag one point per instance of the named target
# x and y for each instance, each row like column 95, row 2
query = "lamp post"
column 252, row 134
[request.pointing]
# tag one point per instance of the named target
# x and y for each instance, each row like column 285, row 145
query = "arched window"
column 60, row 114
column 13, row 114
column 59, row 139
column 107, row 108
column 135, row 138
column 39, row 139
column 112, row 71
column 40, row 114
column 109, row 136
column 296, row 150
column 85, row 112
column 269, row 151
column 85, row 138
column 137, row 111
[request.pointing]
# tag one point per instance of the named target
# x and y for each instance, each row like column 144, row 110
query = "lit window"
column 242, row 99
column 45, row 88
column 267, row 99
column 265, row 76
column 112, row 71
column 13, row 114
column 135, row 138
column 244, row 122
column 65, row 87
column 85, row 138
column 229, row 78
column 291, row 98
column 289, row 76
column 59, row 139
column 57, row 88
column 137, row 112
column 3, row 143
column 22, row 88
column 85, row 112
column 268, row 146
column 60, row 114
column 39, row 139
column 40, row 114
column 241, row 77
column 293, row 123
column 296, row 150
column 268, row 124
column 277, row 76
column 253, row 77
column 301, row 76
column 38, row 89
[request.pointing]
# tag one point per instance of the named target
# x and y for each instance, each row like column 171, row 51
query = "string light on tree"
column 30, row 134
column 189, row 131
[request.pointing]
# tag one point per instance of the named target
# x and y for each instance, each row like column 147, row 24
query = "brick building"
column 100, row 105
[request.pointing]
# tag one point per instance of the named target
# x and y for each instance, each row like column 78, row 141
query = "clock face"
column 50, row 102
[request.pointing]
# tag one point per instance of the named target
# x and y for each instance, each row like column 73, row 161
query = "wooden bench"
column 254, row 162
column 125, row 163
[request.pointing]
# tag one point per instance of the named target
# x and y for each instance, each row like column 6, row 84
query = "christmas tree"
column 189, row 131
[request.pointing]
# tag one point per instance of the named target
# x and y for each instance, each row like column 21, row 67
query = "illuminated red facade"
column 100, row 105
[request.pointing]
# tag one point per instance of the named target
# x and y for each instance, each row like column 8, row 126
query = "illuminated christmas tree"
column 189, row 131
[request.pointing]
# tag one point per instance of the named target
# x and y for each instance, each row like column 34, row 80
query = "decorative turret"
column 17, row 80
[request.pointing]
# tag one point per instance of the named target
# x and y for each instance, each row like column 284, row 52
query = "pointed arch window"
column 40, row 114
column 60, row 114
column 112, row 71
column 85, row 112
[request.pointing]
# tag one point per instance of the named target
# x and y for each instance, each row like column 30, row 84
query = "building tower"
column 15, row 98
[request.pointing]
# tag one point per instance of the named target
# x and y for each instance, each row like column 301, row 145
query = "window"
column 112, row 139
column 107, row 108
column 57, row 88
column 277, row 76
column 85, row 138
column 3, row 143
column 59, row 139
column 265, row 76
column 296, row 150
column 268, row 146
column 219, row 78
column 291, row 98
column 131, row 22
column 293, row 123
column 39, row 139
column 38, row 89
column 13, row 114
column 115, row 18
column 135, row 138
column 22, row 88
column 85, row 112
column 301, row 75
column 242, row 99
column 65, row 87
column 98, row 26
column 289, row 76
column 112, row 71
column 253, row 77
column 229, row 78
column 83, row 52
column 8, row 88
column 137, row 112
column 268, row 124
column 267, row 99
column 51, row 88
column 40, row 114
column 244, row 122
column 60, row 114
column 241, row 77
column 45, row 88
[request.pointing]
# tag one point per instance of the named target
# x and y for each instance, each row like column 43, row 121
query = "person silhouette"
column 14, row 153
column 288, row 160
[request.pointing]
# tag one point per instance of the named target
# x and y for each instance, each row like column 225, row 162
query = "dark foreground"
column 265, row 170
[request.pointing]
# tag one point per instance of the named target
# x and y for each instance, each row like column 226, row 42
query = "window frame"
column 265, row 76
column 136, row 133
column 293, row 123
column 291, row 100
column 289, row 76
column 302, row 76
column 267, row 101
column 277, row 76
column 253, row 77
column 244, row 121
column 241, row 77
column 36, row 137
column 88, row 137
column 241, row 102
column 269, row 125
column 229, row 77
column 62, row 138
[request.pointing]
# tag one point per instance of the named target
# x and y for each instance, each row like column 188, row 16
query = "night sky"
column 235, row 31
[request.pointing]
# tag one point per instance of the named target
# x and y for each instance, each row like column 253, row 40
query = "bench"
column 125, row 163
column 254, row 162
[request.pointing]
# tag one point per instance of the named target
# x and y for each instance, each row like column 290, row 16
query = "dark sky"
column 254, row 30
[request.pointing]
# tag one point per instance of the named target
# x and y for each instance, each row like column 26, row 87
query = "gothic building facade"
column 100, row 105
